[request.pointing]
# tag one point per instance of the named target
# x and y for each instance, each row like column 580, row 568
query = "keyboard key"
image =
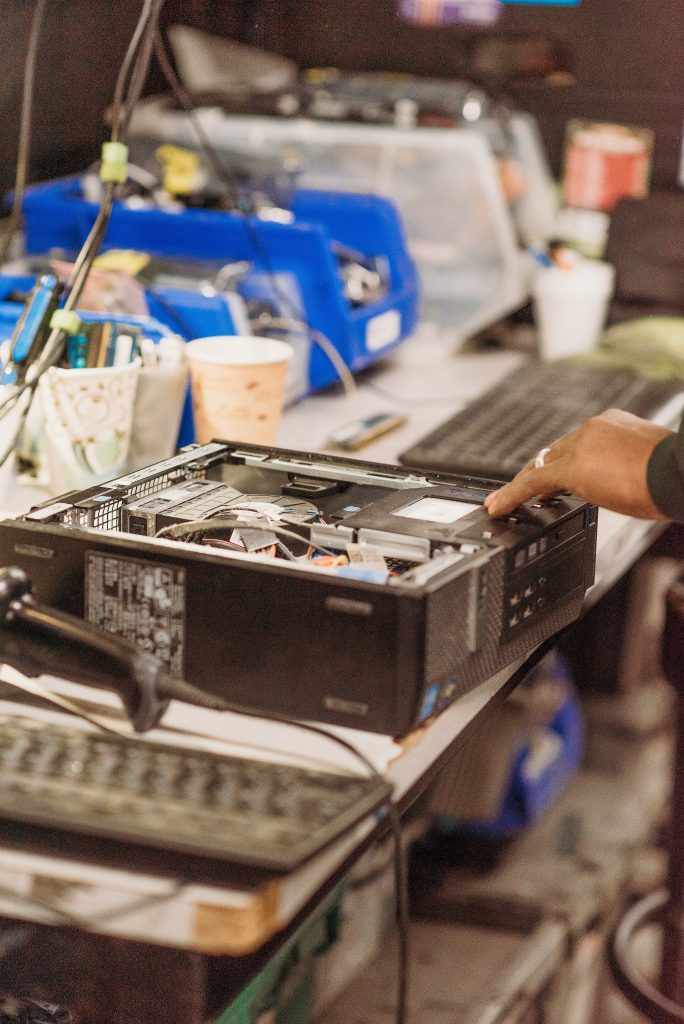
column 499, row 432
column 224, row 808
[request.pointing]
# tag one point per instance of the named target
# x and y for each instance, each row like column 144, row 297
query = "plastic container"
column 300, row 256
column 570, row 307
column 519, row 762
column 153, row 328
column 444, row 181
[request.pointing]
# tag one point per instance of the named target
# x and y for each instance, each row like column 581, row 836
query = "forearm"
column 665, row 475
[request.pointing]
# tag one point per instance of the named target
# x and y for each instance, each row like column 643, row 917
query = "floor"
column 522, row 942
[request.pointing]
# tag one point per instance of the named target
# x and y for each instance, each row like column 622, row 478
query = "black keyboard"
column 495, row 435
column 228, row 809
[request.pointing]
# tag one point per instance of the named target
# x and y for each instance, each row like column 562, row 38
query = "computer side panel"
column 301, row 645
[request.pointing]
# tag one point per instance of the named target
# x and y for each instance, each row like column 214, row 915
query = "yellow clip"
column 66, row 320
column 181, row 169
column 114, row 162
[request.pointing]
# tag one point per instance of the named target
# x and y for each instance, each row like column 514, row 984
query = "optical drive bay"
column 460, row 596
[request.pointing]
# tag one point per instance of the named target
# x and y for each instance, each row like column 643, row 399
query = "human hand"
column 603, row 461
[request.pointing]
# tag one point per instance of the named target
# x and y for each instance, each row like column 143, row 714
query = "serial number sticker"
column 143, row 602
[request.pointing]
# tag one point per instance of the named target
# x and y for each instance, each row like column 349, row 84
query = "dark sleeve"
column 665, row 475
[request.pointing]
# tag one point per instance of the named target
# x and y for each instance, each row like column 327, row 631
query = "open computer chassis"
column 352, row 593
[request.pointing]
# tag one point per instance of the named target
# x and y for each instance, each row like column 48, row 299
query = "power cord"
column 52, row 631
column 283, row 324
column 178, row 690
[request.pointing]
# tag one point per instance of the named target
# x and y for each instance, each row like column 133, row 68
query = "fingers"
column 605, row 461
column 529, row 483
column 538, row 477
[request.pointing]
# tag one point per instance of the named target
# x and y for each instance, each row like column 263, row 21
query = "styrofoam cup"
column 570, row 306
column 88, row 418
column 238, row 384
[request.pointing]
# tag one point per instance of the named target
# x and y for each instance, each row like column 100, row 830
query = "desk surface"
column 427, row 381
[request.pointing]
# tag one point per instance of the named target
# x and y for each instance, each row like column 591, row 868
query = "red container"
column 603, row 163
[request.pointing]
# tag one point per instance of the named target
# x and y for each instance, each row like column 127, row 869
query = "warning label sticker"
column 144, row 602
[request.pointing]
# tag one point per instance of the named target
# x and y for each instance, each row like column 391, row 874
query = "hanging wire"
column 244, row 205
column 25, row 126
column 129, row 81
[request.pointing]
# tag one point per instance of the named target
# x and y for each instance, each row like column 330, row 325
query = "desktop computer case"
column 265, row 634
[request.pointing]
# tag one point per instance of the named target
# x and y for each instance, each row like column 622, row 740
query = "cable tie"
column 114, row 162
column 66, row 320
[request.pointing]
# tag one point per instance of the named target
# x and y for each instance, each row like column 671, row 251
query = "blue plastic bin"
column 532, row 785
column 57, row 217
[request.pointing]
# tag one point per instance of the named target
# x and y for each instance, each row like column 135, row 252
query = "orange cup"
column 238, row 386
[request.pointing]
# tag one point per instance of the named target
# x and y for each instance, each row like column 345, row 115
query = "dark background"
column 620, row 60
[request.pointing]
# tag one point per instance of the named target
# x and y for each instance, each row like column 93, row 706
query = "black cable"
column 240, row 203
column 639, row 991
column 184, row 98
column 25, row 125
column 183, row 531
column 151, row 10
column 141, row 65
column 177, row 689
column 135, row 65
column 167, row 689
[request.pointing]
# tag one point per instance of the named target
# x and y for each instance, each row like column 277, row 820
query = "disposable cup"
column 570, row 306
column 238, row 385
column 88, row 418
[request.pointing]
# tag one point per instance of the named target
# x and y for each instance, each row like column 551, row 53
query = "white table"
column 428, row 381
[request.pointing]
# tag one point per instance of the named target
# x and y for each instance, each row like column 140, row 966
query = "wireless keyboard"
column 224, row 808
column 495, row 435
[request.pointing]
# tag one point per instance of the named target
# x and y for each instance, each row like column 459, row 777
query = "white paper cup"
column 88, row 419
column 238, row 385
column 570, row 307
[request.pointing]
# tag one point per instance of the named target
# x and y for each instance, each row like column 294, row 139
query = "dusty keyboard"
column 231, row 809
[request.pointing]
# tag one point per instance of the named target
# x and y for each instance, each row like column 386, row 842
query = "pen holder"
column 88, row 418
column 10, row 431
column 157, row 413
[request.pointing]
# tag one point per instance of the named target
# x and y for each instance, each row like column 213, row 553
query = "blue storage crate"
column 57, row 216
column 542, row 766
